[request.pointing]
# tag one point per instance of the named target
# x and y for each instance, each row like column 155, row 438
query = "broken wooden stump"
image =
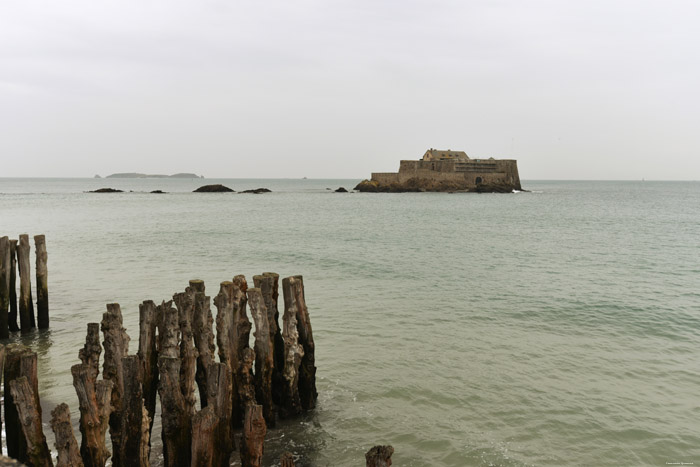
column 263, row 355
column 25, row 399
column 116, row 347
column 268, row 283
column 175, row 415
column 379, row 456
column 42, row 287
column 19, row 361
column 5, row 273
column 293, row 353
column 135, row 427
column 188, row 353
column 203, row 334
column 168, row 330
column 253, row 436
column 294, row 300
column 26, row 306
column 148, row 357
column 245, row 380
column 12, row 323
column 94, row 398
column 66, row 445
column 204, row 425
column 287, row 460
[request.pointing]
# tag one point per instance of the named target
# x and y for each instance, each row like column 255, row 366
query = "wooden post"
column 263, row 355
column 287, row 460
column 13, row 287
column 268, row 283
column 25, row 399
column 176, row 415
column 148, row 357
column 26, row 306
column 293, row 353
column 188, row 352
column 294, row 300
column 203, row 338
column 94, row 399
column 168, row 330
column 42, row 287
column 5, row 272
column 116, row 345
column 204, row 425
column 245, row 379
column 253, row 436
column 379, row 456
column 66, row 445
column 135, row 426
column 2, row 365
column 15, row 367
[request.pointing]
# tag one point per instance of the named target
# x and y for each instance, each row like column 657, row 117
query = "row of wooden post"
column 14, row 256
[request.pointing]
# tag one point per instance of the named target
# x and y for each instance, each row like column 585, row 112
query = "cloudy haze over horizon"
column 340, row 89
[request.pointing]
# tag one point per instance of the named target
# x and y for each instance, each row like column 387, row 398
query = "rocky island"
column 140, row 175
column 447, row 170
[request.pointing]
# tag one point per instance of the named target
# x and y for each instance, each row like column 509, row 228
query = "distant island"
column 139, row 175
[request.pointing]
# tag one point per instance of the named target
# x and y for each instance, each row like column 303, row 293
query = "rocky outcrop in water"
column 257, row 191
column 420, row 184
column 106, row 190
column 341, row 190
column 214, row 189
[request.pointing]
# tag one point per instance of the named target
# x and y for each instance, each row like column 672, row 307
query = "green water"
column 557, row 327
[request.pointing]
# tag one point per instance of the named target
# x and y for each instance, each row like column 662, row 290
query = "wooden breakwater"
column 14, row 261
column 239, row 396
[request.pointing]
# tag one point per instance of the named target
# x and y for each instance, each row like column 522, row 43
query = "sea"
column 555, row 327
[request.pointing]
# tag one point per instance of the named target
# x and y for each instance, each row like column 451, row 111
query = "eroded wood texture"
column 268, row 283
column 19, row 361
column 66, row 445
column 26, row 306
column 204, row 425
column 2, row 366
column 203, row 334
column 25, row 399
column 42, row 284
column 263, row 355
column 253, row 437
column 294, row 299
column 148, row 357
column 293, row 353
column 220, row 400
column 245, row 380
column 134, row 434
column 287, row 460
column 116, row 347
column 379, row 456
column 167, row 322
column 184, row 302
column 12, row 317
column 5, row 272
column 176, row 416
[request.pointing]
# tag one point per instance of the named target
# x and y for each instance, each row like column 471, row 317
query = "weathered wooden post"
column 263, row 355
column 5, row 263
column 287, row 460
column 176, row 415
column 19, row 361
column 134, row 439
column 204, row 424
column 42, row 287
column 212, row 443
column 293, row 353
column 13, row 287
column 268, row 283
column 116, row 345
column 294, row 300
column 203, row 338
column 26, row 306
column 66, row 445
column 2, row 365
column 148, row 357
column 379, row 456
column 188, row 353
column 94, row 398
column 26, row 402
column 168, row 330
column 253, row 436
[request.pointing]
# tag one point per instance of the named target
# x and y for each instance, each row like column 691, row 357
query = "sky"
column 596, row 89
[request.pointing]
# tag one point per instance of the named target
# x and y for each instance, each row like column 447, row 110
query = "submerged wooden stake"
column 25, row 399
column 253, row 436
column 263, row 355
column 295, row 301
column 135, row 445
column 293, row 353
column 13, row 287
column 176, row 417
column 5, row 272
column 42, row 288
column 19, row 361
column 66, row 445
column 148, row 357
column 203, row 338
column 116, row 345
column 268, row 283
column 379, row 456
column 26, row 306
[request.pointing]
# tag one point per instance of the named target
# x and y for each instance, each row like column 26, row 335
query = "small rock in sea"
column 160, row 192
column 328, row 189
column 341, row 190
column 107, row 190
column 213, row 189
column 97, row 176
column 257, row 191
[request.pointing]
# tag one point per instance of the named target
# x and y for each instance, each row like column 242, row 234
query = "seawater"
column 556, row 327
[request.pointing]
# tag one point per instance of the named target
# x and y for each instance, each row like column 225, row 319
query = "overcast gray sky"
column 596, row 89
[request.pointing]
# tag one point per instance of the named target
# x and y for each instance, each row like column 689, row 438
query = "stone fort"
column 454, row 168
